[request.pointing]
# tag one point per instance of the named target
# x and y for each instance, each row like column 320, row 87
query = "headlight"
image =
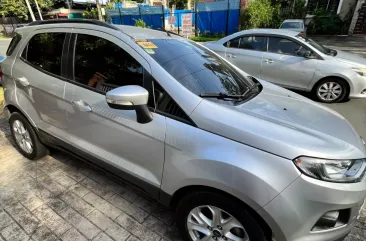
column 332, row 170
column 360, row 71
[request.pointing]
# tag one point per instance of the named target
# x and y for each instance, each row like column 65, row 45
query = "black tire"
column 342, row 96
column 229, row 205
column 39, row 150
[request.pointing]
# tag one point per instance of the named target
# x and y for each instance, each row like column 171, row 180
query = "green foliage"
column 203, row 39
column 140, row 23
column 299, row 10
column 258, row 14
column 325, row 23
column 13, row 8
column 90, row 13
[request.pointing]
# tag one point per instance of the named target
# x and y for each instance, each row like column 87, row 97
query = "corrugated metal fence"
column 220, row 17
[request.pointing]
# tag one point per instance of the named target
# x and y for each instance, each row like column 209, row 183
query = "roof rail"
column 76, row 20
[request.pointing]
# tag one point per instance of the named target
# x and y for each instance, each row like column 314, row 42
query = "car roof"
column 144, row 33
column 131, row 31
column 274, row 31
column 294, row 20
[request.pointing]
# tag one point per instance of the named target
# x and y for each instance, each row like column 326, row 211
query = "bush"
column 257, row 14
column 325, row 23
column 140, row 23
column 91, row 13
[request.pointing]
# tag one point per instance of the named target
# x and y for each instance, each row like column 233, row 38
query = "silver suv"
column 238, row 158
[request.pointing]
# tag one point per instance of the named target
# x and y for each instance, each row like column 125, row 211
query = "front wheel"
column 331, row 90
column 210, row 216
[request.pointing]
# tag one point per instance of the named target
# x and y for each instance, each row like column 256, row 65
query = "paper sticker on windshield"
column 150, row 51
column 147, row 45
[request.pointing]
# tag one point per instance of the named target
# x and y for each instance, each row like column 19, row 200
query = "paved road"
column 59, row 197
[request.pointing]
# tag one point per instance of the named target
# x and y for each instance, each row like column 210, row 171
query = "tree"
column 13, row 8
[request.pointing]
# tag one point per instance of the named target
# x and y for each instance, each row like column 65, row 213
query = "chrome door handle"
column 23, row 81
column 81, row 105
column 268, row 61
column 231, row 56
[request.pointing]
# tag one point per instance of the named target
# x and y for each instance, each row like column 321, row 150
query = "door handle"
column 268, row 61
column 81, row 105
column 231, row 56
column 23, row 81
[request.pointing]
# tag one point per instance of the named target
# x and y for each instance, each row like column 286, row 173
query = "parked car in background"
column 294, row 61
column 239, row 159
column 297, row 25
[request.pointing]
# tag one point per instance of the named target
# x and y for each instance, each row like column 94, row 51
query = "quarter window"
column 13, row 44
column 283, row 46
column 44, row 51
column 103, row 65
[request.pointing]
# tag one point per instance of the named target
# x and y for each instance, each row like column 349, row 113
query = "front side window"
column 197, row 68
column 253, row 43
column 44, row 51
column 103, row 65
column 283, row 46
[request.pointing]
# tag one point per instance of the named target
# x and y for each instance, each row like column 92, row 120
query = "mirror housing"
column 305, row 53
column 131, row 97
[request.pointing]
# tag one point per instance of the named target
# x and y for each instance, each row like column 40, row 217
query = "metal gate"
column 360, row 27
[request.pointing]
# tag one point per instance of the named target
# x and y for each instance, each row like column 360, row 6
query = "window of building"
column 103, row 65
column 44, row 50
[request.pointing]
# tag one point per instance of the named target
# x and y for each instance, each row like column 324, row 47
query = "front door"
column 113, row 137
column 281, row 64
column 246, row 52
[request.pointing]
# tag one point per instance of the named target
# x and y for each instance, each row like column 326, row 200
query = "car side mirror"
column 305, row 53
column 131, row 97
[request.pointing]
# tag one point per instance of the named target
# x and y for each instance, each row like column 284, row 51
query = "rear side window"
column 13, row 44
column 44, row 51
column 253, row 43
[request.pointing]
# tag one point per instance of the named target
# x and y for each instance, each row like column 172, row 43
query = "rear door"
column 246, row 52
column 39, row 78
column 109, row 137
column 282, row 65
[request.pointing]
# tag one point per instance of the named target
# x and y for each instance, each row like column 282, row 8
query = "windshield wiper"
column 224, row 96
column 220, row 95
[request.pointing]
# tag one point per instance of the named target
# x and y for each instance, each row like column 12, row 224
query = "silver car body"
column 245, row 151
column 290, row 71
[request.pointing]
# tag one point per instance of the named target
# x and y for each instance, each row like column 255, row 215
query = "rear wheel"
column 210, row 216
column 25, row 137
column 331, row 90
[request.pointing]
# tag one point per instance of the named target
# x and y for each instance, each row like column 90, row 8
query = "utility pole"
column 30, row 10
column 99, row 11
column 68, row 4
column 39, row 11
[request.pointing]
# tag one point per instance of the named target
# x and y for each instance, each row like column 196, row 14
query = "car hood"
column 283, row 123
column 351, row 59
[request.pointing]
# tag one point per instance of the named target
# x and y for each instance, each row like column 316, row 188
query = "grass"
column 203, row 39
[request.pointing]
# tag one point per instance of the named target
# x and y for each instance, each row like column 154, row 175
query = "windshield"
column 292, row 25
column 198, row 69
column 316, row 45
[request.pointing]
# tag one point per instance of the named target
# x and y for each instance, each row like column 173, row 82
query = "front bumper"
column 358, row 88
column 293, row 213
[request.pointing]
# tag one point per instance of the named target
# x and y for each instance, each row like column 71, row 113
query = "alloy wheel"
column 22, row 137
column 330, row 91
column 207, row 223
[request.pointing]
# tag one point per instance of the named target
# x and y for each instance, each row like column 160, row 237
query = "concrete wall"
column 345, row 7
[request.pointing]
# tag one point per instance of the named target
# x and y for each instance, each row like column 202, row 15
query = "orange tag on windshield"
column 147, row 45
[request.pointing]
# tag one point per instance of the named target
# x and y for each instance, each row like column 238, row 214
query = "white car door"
column 282, row 65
